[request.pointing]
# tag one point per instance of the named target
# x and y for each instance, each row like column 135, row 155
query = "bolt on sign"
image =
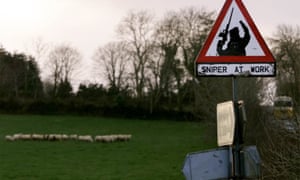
column 234, row 46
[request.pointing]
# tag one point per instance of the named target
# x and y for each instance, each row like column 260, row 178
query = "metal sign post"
column 236, row 148
column 229, row 53
column 231, row 160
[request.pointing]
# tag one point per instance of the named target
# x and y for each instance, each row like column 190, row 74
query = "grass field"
column 156, row 151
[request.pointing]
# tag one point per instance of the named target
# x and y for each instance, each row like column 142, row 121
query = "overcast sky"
column 87, row 24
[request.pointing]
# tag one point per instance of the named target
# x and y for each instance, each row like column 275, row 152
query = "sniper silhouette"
column 236, row 45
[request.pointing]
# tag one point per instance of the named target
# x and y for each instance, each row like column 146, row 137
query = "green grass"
column 156, row 150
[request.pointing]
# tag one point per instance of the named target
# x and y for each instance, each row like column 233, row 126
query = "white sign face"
column 234, row 46
column 253, row 48
column 254, row 69
column 225, row 123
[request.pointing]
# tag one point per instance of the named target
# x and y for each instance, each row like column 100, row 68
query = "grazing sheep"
column 64, row 137
column 25, row 137
column 38, row 137
column 51, row 137
column 107, row 138
column 99, row 138
column 86, row 138
column 113, row 138
column 55, row 137
column 46, row 137
column 60, row 137
column 123, row 137
column 127, row 137
column 73, row 137
column 17, row 136
column 9, row 138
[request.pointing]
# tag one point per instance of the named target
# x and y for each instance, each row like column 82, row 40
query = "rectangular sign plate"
column 211, row 164
column 220, row 69
column 225, row 123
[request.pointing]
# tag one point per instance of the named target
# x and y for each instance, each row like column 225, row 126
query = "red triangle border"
column 202, row 58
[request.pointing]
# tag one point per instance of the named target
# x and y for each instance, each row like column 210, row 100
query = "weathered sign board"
column 234, row 46
column 225, row 123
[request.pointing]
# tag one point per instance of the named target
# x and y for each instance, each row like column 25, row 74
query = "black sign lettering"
column 238, row 69
column 259, row 69
column 214, row 69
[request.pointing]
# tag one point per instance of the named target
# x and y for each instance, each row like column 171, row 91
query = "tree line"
column 149, row 71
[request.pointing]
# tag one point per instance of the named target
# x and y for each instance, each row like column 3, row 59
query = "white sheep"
column 99, row 138
column 126, row 137
column 113, row 138
column 107, row 138
column 25, row 137
column 38, row 137
column 60, row 137
column 51, row 137
column 9, row 138
column 17, row 136
column 64, row 137
column 123, row 137
column 55, row 137
column 86, row 138
column 73, row 137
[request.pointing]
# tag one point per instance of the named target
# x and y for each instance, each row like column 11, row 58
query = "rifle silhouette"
column 224, row 33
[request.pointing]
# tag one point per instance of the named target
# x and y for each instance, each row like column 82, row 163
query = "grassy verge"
column 156, row 151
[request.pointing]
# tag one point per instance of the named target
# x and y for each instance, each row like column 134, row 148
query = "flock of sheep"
column 64, row 137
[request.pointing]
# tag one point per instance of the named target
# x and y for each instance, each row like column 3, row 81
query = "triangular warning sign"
column 235, row 46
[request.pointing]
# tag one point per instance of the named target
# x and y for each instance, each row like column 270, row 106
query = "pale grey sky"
column 87, row 24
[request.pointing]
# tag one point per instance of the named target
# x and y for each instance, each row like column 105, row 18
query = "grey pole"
column 236, row 149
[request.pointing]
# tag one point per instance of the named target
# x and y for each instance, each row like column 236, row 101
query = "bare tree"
column 136, row 31
column 39, row 49
column 113, row 57
column 171, row 72
column 154, row 78
column 178, row 39
column 63, row 61
column 195, row 26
